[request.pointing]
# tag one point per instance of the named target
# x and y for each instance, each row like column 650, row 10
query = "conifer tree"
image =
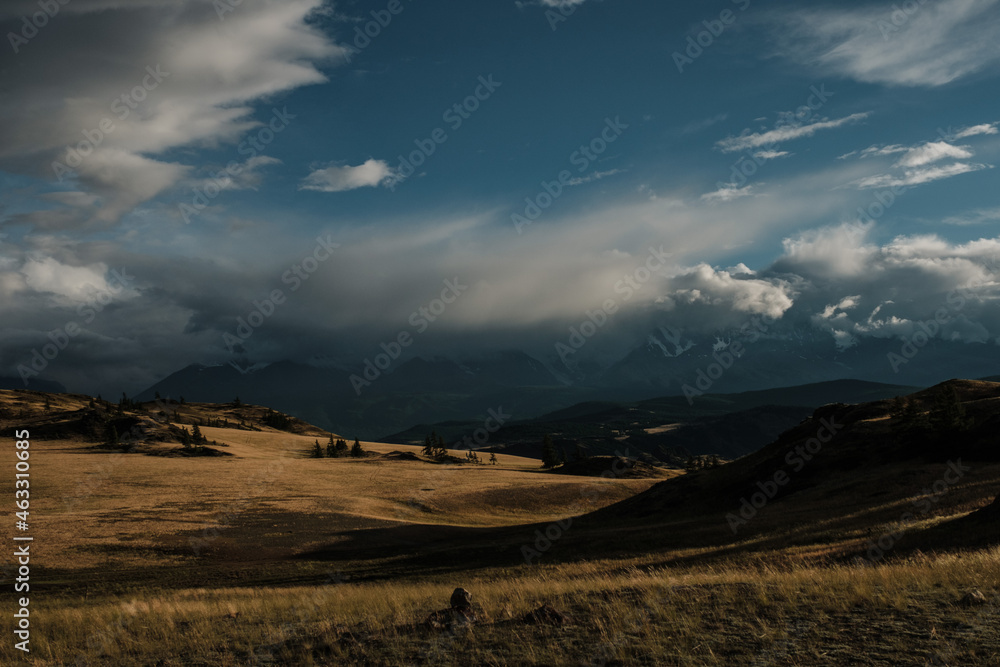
column 317, row 451
column 549, row 457
column 356, row 450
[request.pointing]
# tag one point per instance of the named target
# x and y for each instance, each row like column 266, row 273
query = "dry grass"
column 116, row 580
column 743, row 614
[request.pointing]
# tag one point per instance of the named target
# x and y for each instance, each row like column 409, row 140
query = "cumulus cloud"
column 933, row 45
column 777, row 135
column 371, row 173
column 739, row 294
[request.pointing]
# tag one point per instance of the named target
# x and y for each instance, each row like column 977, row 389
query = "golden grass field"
column 269, row 557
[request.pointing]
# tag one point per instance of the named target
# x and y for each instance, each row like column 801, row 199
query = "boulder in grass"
column 973, row 598
column 459, row 615
column 461, row 599
column 546, row 615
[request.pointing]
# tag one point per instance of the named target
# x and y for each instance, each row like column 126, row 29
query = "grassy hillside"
column 268, row 556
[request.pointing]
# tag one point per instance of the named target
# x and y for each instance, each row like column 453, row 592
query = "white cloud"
column 919, row 176
column 759, row 139
column 770, row 154
column 977, row 217
column 705, row 286
column 209, row 76
column 371, row 173
column 932, row 152
column 875, row 151
column 596, row 176
column 975, row 130
column 728, row 193
column 938, row 42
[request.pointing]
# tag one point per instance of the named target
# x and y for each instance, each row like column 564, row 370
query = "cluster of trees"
column 702, row 462
column 277, row 420
column 336, row 449
column 434, row 447
column 947, row 414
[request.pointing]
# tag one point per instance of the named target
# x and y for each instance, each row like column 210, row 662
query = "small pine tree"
column 948, row 414
column 549, row 457
column 331, row 449
column 341, row 447
column 317, row 451
column 356, row 450
column 493, row 458
column 185, row 438
column 111, row 436
column 428, row 449
column 197, row 436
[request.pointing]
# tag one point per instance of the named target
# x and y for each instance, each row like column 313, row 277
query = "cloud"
column 596, row 176
column 913, row 177
column 975, row 130
column 707, row 287
column 978, row 217
column 770, row 154
column 167, row 78
column 705, row 123
column 932, row 152
column 759, row 139
column 933, row 45
column 728, row 193
column 875, row 151
column 371, row 173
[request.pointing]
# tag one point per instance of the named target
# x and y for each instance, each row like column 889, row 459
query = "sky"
column 187, row 181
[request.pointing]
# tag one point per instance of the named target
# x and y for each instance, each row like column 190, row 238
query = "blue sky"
column 902, row 96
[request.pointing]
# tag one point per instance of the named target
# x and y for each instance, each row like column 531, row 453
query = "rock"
column 546, row 615
column 460, row 615
column 451, row 619
column 461, row 599
column 973, row 598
